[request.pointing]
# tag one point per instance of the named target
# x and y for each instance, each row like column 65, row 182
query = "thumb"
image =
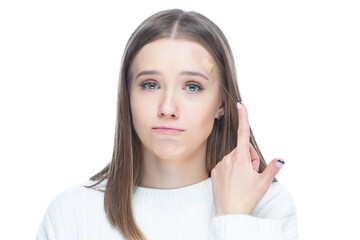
column 272, row 169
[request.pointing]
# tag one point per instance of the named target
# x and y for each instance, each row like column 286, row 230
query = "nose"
column 168, row 107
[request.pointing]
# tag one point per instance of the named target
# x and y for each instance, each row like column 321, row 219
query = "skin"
column 174, row 161
column 237, row 185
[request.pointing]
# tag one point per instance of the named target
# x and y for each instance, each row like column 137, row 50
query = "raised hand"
column 237, row 185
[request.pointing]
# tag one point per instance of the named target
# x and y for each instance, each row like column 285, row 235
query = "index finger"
column 243, row 133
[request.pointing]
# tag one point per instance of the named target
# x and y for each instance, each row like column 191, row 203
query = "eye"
column 151, row 86
column 192, row 86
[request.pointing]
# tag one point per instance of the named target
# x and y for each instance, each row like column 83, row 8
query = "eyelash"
column 142, row 85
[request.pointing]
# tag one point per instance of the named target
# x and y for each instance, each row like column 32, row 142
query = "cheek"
column 139, row 113
column 202, row 119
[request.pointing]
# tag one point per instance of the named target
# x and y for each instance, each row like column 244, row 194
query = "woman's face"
column 169, row 97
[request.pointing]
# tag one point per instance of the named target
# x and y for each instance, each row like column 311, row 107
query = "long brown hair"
column 124, row 171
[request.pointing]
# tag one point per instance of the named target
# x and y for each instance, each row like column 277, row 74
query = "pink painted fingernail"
column 279, row 163
column 238, row 104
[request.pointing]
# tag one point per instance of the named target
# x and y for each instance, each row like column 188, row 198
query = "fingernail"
column 238, row 104
column 279, row 163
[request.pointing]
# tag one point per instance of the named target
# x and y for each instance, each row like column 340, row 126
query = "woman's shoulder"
column 77, row 196
column 70, row 210
column 277, row 200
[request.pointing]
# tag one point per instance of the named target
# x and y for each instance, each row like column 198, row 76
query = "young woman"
column 185, row 163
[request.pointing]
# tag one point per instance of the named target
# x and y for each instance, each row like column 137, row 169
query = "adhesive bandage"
column 207, row 65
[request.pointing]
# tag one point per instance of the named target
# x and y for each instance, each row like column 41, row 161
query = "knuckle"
column 225, row 158
column 242, row 131
column 228, row 160
column 241, row 153
column 273, row 171
column 239, row 164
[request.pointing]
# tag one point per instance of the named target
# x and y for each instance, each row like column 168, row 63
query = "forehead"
column 181, row 53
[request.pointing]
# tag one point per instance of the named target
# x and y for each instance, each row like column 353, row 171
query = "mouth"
column 168, row 129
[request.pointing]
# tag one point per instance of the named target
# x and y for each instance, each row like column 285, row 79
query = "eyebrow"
column 189, row 73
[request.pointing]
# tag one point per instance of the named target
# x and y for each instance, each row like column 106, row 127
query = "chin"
column 167, row 152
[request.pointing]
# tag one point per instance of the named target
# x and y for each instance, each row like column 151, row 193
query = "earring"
column 219, row 117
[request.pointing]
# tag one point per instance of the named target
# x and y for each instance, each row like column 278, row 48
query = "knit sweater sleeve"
column 274, row 218
column 58, row 220
column 46, row 229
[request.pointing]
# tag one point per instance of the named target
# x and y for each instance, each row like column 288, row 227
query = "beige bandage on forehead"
column 204, row 61
column 207, row 65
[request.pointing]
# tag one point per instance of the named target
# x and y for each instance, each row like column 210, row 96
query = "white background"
column 298, row 68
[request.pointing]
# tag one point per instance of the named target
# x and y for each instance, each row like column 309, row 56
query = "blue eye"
column 193, row 87
column 196, row 87
column 147, row 84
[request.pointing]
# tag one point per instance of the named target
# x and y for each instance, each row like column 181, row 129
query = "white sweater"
column 181, row 213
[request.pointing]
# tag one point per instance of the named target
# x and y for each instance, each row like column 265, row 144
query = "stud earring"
column 219, row 117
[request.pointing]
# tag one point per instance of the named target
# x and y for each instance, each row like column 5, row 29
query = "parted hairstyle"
column 124, row 171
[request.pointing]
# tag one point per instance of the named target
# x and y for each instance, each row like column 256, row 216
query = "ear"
column 221, row 107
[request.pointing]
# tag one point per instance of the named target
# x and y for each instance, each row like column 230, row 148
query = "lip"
column 168, row 129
